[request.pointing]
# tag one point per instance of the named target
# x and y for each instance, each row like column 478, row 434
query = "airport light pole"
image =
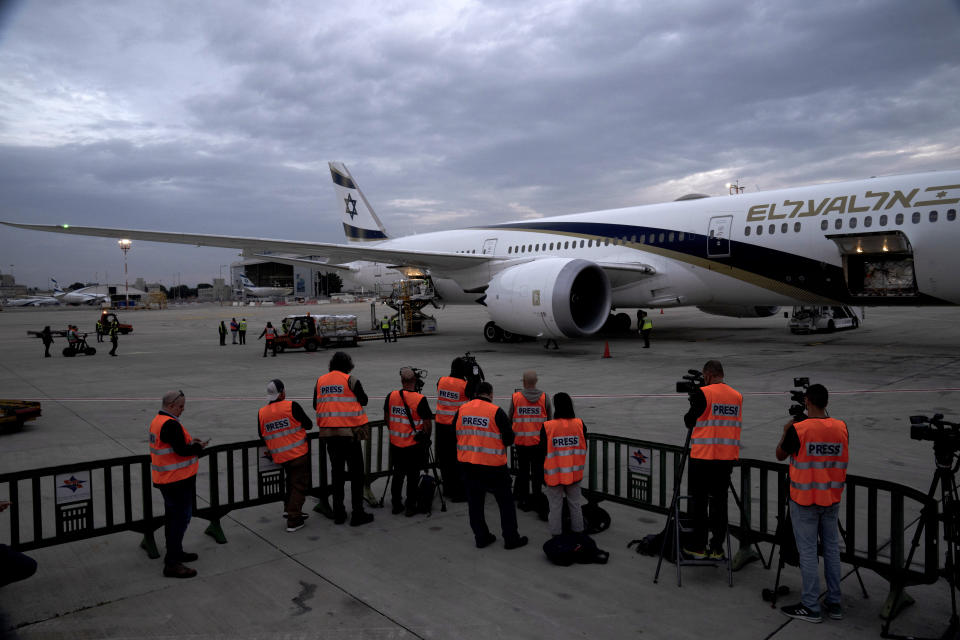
column 125, row 247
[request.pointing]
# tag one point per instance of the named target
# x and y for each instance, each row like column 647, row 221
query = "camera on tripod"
column 691, row 382
column 419, row 375
column 471, row 372
column 798, row 408
column 937, row 430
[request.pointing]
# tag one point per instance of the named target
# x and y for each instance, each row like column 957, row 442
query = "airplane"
column 877, row 242
column 37, row 301
column 253, row 290
column 78, row 296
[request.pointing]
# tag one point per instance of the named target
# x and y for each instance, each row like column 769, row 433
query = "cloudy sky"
column 220, row 116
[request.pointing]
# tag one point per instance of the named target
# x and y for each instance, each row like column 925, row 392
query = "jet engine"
column 552, row 297
column 739, row 311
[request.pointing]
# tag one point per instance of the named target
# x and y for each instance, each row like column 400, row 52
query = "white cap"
column 274, row 389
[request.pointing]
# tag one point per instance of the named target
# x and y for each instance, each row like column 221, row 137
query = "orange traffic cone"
column 606, row 349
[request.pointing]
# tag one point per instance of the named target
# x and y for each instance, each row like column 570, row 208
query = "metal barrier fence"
column 74, row 502
column 879, row 516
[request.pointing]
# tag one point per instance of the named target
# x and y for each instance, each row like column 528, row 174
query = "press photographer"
column 715, row 415
column 452, row 392
column 818, row 449
column 410, row 422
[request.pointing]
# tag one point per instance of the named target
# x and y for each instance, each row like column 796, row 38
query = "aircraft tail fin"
column 360, row 223
column 245, row 281
column 56, row 287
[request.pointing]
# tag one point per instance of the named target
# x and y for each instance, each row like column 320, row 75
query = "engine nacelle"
column 552, row 297
column 739, row 311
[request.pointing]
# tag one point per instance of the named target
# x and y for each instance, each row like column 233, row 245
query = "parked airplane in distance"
column 875, row 242
column 254, row 291
column 78, row 296
column 36, row 301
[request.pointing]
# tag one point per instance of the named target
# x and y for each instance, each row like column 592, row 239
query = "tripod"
column 673, row 520
column 430, row 466
column 945, row 478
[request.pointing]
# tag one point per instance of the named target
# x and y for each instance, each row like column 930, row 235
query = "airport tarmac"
column 421, row 577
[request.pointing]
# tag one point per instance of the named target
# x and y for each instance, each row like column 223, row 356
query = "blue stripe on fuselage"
column 792, row 271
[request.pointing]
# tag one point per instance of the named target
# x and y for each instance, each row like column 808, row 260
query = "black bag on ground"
column 651, row 544
column 425, row 491
column 569, row 548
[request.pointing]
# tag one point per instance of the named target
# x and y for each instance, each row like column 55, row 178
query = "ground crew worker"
column 339, row 399
column 47, row 338
column 285, row 326
column 645, row 326
column 99, row 329
column 243, row 331
column 529, row 409
column 410, row 423
column 715, row 415
column 271, row 343
column 222, row 331
column 234, row 327
column 451, row 393
column 73, row 337
column 483, row 435
column 395, row 326
column 385, row 327
column 114, row 337
column 281, row 425
column 565, row 439
column 818, row 447
column 174, row 462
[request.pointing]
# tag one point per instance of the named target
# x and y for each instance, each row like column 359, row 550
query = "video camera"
column 471, row 371
column 944, row 435
column 798, row 408
column 420, row 375
column 691, row 382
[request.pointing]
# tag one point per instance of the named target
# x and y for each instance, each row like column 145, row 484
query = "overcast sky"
column 220, row 117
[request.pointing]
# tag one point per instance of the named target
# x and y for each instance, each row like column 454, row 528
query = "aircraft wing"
column 335, row 253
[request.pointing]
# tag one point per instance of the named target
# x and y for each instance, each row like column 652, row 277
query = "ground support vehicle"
column 812, row 318
column 309, row 332
column 79, row 347
column 107, row 318
column 13, row 413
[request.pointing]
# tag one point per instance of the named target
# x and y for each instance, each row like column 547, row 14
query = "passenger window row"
column 853, row 222
column 652, row 238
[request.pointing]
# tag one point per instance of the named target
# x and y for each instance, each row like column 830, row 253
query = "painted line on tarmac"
column 583, row 397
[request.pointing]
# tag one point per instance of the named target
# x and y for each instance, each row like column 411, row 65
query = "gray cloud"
column 220, row 117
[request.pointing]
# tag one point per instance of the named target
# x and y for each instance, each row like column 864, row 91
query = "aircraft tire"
column 622, row 322
column 509, row 336
column 492, row 332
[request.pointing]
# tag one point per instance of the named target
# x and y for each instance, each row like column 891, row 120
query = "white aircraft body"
column 37, row 301
column 78, row 296
column 875, row 242
column 254, row 291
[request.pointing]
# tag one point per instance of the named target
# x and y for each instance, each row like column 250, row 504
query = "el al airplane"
column 78, row 296
column 876, row 242
column 263, row 292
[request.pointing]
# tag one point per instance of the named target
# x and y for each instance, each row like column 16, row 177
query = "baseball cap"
column 274, row 389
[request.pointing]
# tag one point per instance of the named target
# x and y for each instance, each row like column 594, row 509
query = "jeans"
column 178, row 509
column 808, row 521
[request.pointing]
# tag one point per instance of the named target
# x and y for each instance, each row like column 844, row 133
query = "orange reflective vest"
column 337, row 406
column 401, row 433
column 269, row 333
column 716, row 435
column 566, row 451
column 818, row 472
column 478, row 438
column 527, row 418
column 451, row 394
column 165, row 465
column 283, row 434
